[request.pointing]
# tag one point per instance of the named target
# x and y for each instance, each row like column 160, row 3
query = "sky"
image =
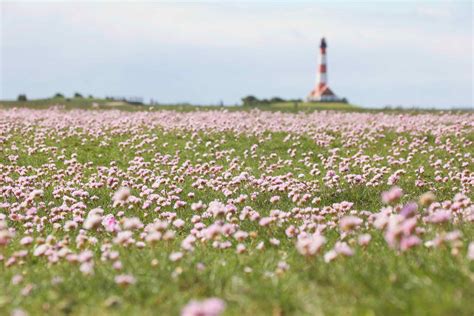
column 402, row 53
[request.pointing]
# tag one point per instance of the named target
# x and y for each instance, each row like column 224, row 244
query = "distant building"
column 129, row 100
column 322, row 92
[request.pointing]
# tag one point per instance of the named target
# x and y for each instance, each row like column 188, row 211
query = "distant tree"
column 91, row 96
column 276, row 100
column 22, row 97
column 250, row 100
column 59, row 95
column 77, row 95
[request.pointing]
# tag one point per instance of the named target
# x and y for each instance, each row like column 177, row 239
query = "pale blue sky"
column 399, row 53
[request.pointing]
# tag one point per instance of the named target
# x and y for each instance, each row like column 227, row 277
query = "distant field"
column 68, row 103
column 303, row 106
column 85, row 103
column 287, row 107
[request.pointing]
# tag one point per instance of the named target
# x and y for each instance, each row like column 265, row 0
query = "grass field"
column 87, row 103
column 286, row 107
column 134, row 211
column 304, row 106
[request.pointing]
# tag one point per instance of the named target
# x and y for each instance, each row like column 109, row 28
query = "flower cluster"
column 182, row 183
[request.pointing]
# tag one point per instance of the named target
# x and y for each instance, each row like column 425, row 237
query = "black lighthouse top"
column 323, row 43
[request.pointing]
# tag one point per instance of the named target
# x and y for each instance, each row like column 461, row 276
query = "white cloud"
column 267, row 36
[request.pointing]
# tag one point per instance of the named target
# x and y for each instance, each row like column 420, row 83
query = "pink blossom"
column 121, row 196
column 364, row 239
column 240, row 248
column 330, row 255
column 439, row 216
column 125, row 280
column 274, row 199
column 179, row 223
column 216, row 208
column 110, row 223
column 207, row 307
column 310, row 245
column 92, row 221
column 348, row 223
column 27, row 240
column 409, row 242
column 392, row 195
column 175, row 256
column 470, row 251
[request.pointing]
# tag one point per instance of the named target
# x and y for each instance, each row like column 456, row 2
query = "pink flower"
column 18, row 312
column 330, row 256
column 310, row 245
column 216, row 208
column 427, row 198
column 121, row 196
column 16, row 279
column 94, row 218
column 409, row 209
column 110, row 223
column 409, row 242
column 274, row 242
column 274, row 199
column 241, row 235
column 132, row 223
column 35, row 194
column 92, row 221
column 87, row 268
column 27, row 240
column 208, row 307
column 153, row 237
column 265, row 221
column 392, row 195
column 240, row 248
column 197, row 206
column 348, row 223
column 364, row 239
column 439, row 216
column 343, row 249
column 470, row 251
column 40, row 250
column 125, row 280
column 179, row 223
column 5, row 234
column 175, row 256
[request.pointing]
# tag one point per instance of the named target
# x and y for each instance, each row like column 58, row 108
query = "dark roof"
column 326, row 91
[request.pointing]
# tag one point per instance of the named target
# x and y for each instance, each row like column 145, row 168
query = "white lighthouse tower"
column 321, row 92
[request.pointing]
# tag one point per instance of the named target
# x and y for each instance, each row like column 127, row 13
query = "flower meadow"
column 208, row 213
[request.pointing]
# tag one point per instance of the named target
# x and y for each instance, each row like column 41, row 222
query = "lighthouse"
column 322, row 92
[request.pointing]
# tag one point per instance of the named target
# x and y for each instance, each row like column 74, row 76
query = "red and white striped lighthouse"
column 321, row 91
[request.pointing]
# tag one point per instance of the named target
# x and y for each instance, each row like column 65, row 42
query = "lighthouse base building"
column 322, row 92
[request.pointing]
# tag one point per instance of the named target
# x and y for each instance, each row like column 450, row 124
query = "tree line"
column 251, row 100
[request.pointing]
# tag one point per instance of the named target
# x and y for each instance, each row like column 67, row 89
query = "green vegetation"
column 286, row 106
column 306, row 107
column 376, row 281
